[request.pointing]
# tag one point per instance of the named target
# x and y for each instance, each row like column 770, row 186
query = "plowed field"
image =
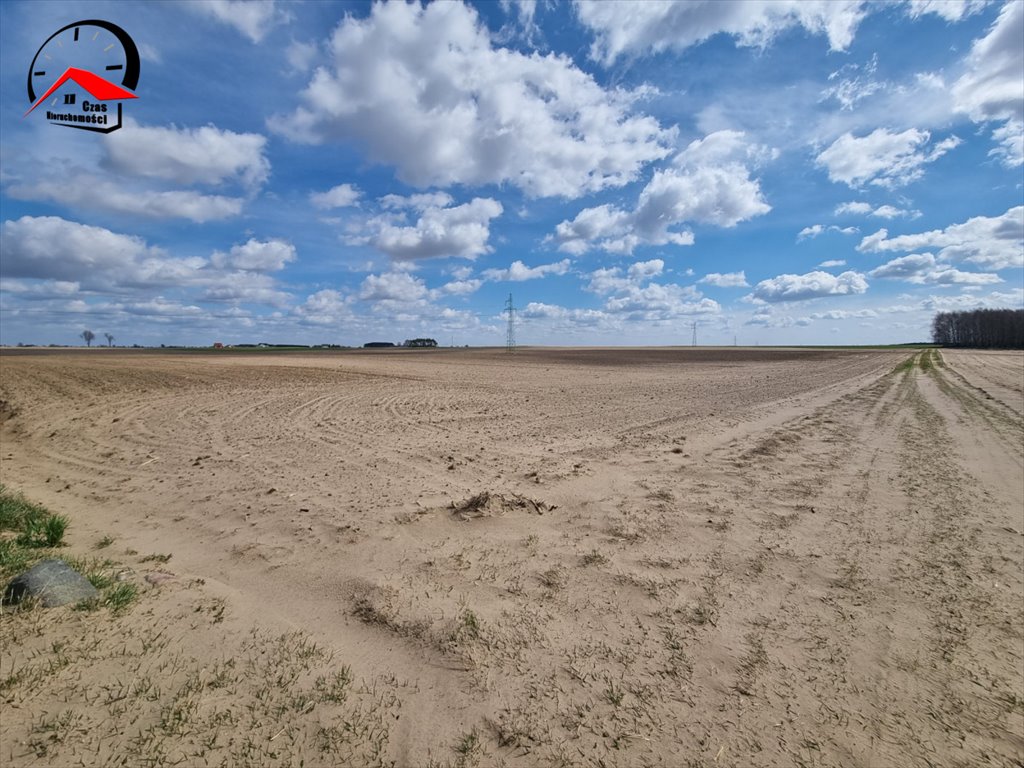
column 663, row 557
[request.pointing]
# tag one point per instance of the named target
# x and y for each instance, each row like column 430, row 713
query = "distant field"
column 566, row 352
column 637, row 556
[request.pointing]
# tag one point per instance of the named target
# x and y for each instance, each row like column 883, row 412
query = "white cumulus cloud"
column 426, row 90
column 905, row 266
column 727, row 280
column 418, row 202
column 950, row 10
column 641, row 270
column 882, row 158
column 925, row 269
column 892, row 212
column 205, row 155
column 856, row 207
column 953, row 276
column 461, row 287
column 256, row 256
column 518, row 271
column 994, row 300
column 1009, row 147
column 242, row 286
column 50, row 248
column 819, row 229
column 809, row 286
column 842, row 314
column 564, row 317
column 990, row 89
column 253, row 18
column 991, row 242
column 341, row 196
column 392, row 286
column 622, row 28
column 138, row 165
column 882, row 212
column 709, row 182
column 632, row 295
column 461, row 231
column 604, row 226
column 325, row 308
column 85, row 191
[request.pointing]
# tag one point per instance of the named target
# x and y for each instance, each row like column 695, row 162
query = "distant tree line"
column 982, row 328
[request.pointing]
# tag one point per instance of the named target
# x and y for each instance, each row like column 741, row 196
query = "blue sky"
column 785, row 172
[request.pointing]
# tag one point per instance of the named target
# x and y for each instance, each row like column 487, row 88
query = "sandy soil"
column 561, row 557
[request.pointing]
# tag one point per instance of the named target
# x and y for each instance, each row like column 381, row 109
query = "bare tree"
column 110, row 339
column 88, row 336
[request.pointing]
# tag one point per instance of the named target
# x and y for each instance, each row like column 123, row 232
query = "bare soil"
column 658, row 557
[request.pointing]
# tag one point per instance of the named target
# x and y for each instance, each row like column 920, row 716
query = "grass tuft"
column 121, row 597
column 89, row 604
column 471, row 624
column 468, row 743
column 926, row 361
column 594, row 557
column 100, row 580
column 614, row 694
column 553, row 578
column 36, row 527
column 906, row 366
column 334, row 688
column 13, row 558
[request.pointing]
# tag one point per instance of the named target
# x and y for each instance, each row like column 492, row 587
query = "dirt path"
column 897, row 638
column 728, row 561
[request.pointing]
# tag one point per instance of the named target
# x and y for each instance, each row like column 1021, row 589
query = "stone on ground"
column 53, row 582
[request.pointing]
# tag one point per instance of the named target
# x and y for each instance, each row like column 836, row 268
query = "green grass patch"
column 100, row 580
column 931, row 359
column 92, row 604
column 471, row 623
column 119, row 598
column 927, row 361
column 14, row 558
column 35, row 525
column 906, row 365
column 97, row 571
column 43, row 532
column 29, row 533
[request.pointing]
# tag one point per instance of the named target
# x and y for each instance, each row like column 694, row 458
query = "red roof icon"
column 98, row 88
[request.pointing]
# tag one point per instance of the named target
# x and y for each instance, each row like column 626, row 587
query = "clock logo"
column 64, row 71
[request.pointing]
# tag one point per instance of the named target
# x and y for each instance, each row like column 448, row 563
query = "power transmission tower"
column 510, row 335
column 694, row 343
